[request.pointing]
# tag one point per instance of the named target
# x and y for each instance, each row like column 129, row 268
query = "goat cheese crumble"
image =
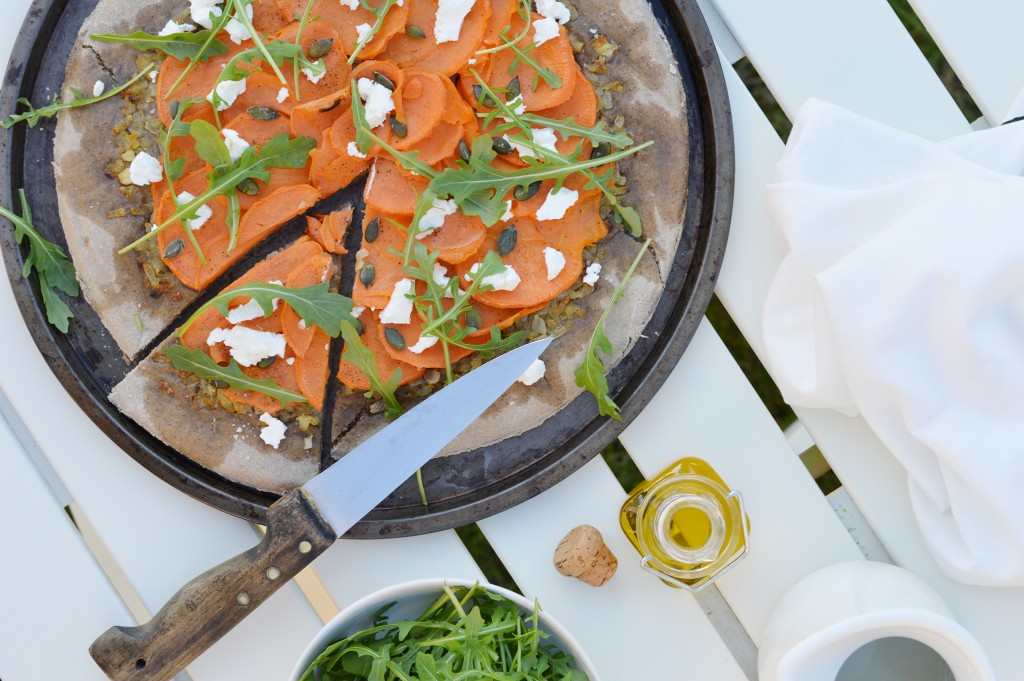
column 424, row 343
column 237, row 31
column 544, row 30
column 205, row 11
column 282, row 95
column 449, row 18
column 399, row 307
column 248, row 346
column 145, row 170
column 203, row 213
column 593, row 274
column 310, row 76
column 554, row 260
column 353, row 150
column 533, row 373
column 228, row 91
column 435, row 216
column 248, row 311
column 234, row 142
column 506, row 280
column 556, row 204
column 172, row 27
column 378, row 100
column 98, row 88
column 274, row 431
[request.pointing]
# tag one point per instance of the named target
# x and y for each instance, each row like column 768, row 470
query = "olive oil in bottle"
column 687, row 524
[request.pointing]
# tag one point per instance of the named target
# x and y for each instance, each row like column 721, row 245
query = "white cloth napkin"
column 902, row 298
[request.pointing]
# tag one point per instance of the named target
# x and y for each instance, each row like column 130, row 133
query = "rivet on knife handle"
column 213, row 603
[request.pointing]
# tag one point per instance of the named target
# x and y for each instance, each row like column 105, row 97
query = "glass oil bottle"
column 687, row 524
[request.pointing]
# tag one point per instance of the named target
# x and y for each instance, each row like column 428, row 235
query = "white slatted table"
column 54, row 599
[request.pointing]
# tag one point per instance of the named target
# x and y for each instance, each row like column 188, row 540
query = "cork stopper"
column 582, row 554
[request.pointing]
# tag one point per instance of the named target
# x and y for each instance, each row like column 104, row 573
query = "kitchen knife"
column 301, row 525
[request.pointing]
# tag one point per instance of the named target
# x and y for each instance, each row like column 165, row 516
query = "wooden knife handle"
column 211, row 604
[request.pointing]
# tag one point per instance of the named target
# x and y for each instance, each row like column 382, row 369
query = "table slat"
column 665, row 628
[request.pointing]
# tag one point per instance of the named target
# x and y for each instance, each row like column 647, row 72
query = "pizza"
column 362, row 174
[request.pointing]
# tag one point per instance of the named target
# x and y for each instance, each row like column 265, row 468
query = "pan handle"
column 214, row 602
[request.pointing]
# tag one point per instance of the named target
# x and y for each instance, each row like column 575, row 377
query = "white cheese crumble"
column 145, row 169
column 310, row 76
column 449, row 18
column 237, row 30
column 248, row 346
column 542, row 137
column 228, row 91
column 378, row 100
column 172, row 27
column 554, row 9
column 282, row 95
column 593, row 274
column 533, row 373
column 506, row 280
column 353, row 150
column 273, row 433
column 435, row 216
column 557, row 203
column 205, row 11
column 508, row 211
column 234, row 142
column 290, row 361
column 98, row 88
column 424, row 343
column 248, row 311
column 440, row 274
column 362, row 30
column 357, row 310
column 544, row 30
column 399, row 307
column 351, row 4
column 203, row 213
column 518, row 105
column 554, row 260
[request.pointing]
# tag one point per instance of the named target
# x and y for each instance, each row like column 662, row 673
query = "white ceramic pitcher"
column 832, row 613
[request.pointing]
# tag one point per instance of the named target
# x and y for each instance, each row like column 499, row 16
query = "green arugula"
column 380, row 13
column 551, row 79
column 202, row 365
column 297, row 69
column 365, row 360
column 218, row 24
column 590, row 375
column 54, row 270
column 567, row 128
column 174, row 168
column 526, row 14
column 33, row 115
column 255, row 163
column 314, row 304
column 243, row 18
column 469, row 634
column 198, row 46
column 275, row 52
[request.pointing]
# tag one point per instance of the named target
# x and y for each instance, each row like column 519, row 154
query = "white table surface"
column 137, row 540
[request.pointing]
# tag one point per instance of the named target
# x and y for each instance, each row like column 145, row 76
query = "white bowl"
column 411, row 599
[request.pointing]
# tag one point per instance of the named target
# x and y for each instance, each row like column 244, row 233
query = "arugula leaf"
column 567, row 128
column 274, row 53
column 217, row 26
column 33, row 115
column 175, row 168
column 210, row 144
column 54, row 270
column 303, row 21
column 525, row 10
column 255, row 163
column 590, row 375
column 202, row 365
column 199, row 46
column 551, row 78
column 381, row 13
column 244, row 19
column 365, row 360
column 314, row 304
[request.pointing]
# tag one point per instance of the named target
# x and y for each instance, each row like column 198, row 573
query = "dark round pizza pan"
column 462, row 488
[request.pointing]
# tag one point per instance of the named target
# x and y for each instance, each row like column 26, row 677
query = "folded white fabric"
column 902, row 298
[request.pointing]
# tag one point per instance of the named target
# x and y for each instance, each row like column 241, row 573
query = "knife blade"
column 301, row 525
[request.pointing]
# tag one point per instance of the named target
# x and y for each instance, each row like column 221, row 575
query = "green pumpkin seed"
column 473, row 318
column 263, row 113
column 513, row 90
column 502, row 146
column 398, row 127
column 371, row 232
column 367, row 274
column 320, row 47
column 221, row 385
column 173, row 107
column 384, row 80
column 464, row 152
column 601, row 150
column 506, row 241
column 266, row 362
column 394, row 338
column 415, row 32
column 174, row 248
column 331, row 107
column 521, row 193
column 248, row 187
column 478, row 92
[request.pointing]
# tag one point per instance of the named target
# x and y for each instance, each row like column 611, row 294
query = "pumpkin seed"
column 266, row 362
column 248, row 187
column 217, row 383
column 371, row 231
column 464, row 153
column 478, row 92
column 506, row 241
column 394, row 338
column 502, row 146
column 513, row 90
column 521, row 193
column 384, row 80
column 320, row 47
column 415, row 32
column 398, row 127
column 174, row 248
column 173, row 107
column 263, row 113
column 601, row 150
column 367, row 274
column 473, row 318
column 331, row 107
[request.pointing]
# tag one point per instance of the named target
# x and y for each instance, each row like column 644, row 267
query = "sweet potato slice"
column 261, row 89
column 198, row 84
column 581, row 107
column 336, row 76
column 502, row 12
column 345, row 20
column 311, row 118
column 431, row 358
column 297, row 333
column 555, row 55
column 390, row 191
column 458, row 238
column 280, row 372
column 330, row 232
column 448, row 57
column 420, row 104
column 386, row 364
column 313, row 369
column 387, row 266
